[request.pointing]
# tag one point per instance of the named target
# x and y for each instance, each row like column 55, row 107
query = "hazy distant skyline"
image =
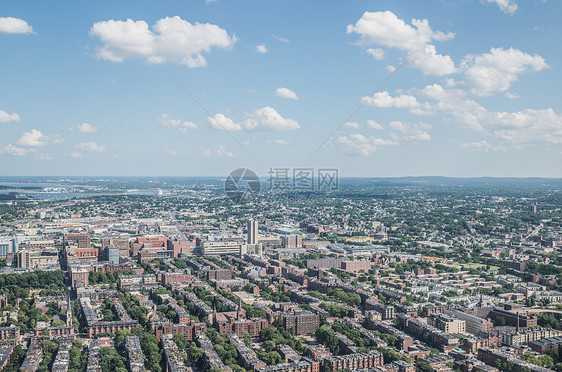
column 93, row 89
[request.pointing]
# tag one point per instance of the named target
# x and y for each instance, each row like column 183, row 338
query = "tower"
column 240, row 312
column 214, row 314
column 252, row 232
column 69, row 313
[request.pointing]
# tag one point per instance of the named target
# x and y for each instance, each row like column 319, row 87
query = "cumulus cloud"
column 431, row 63
column 169, row 39
column 527, row 126
column 481, row 146
column 182, row 126
column 35, row 138
column 267, row 118
column 280, row 142
column 358, row 144
column 90, row 147
column 352, row 124
column 220, row 151
column 85, row 128
column 76, row 155
column 377, row 53
column 506, row 6
column 44, row 157
column 453, row 105
column 494, row 72
column 261, row 48
column 281, row 39
column 384, row 99
column 264, row 119
column 374, row 125
column 8, row 118
column 286, row 93
column 390, row 69
column 11, row 25
column 411, row 132
column 14, row 150
column 221, row 122
column 386, row 29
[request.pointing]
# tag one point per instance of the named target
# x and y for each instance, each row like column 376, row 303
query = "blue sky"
column 471, row 87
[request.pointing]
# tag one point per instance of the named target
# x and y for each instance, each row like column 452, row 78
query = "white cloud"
column 221, row 122
column 453, row 104
column 280, row 142
column 384, row 99
column 411, row 132
column 210, row 1
column 358, row 144
column 44, row 157
column 264, row 119
column 431, row 63
column 386, row 29
column 76, row 155
column 261, row 48
column 170, row 39
column 13, row 150
column 377, row 53
column 286, row 93
column 527, row 126
column 90, row 147
column 182, row 126
column 7, row 118
column 506, row 6
column 220, row 151
column 512, row 95
column 11, row 25
column 352, row 124
column 267, row 118
column 36, row 138
column 281, row 39
column 494, row 72
column 85, row 128
column 481, row 146
column 374, row 125
column 172, row 152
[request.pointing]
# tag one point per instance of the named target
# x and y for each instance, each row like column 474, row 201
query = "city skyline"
column 445, row 88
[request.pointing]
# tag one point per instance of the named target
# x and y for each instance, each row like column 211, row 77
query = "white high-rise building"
column 254, row 248
column 252, row 232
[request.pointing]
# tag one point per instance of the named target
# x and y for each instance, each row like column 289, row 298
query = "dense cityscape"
column 396, row 275
column 281, row 186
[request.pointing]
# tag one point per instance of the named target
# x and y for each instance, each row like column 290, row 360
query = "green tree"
column 195, row 354
column 180, row 341
column 111, row 361
column 423, row 366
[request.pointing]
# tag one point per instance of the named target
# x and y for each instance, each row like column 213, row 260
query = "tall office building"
column 111, row 254
column 252, row 232
column 6, row 247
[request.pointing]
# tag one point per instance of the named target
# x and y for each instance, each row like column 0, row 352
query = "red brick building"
column 82, row 240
